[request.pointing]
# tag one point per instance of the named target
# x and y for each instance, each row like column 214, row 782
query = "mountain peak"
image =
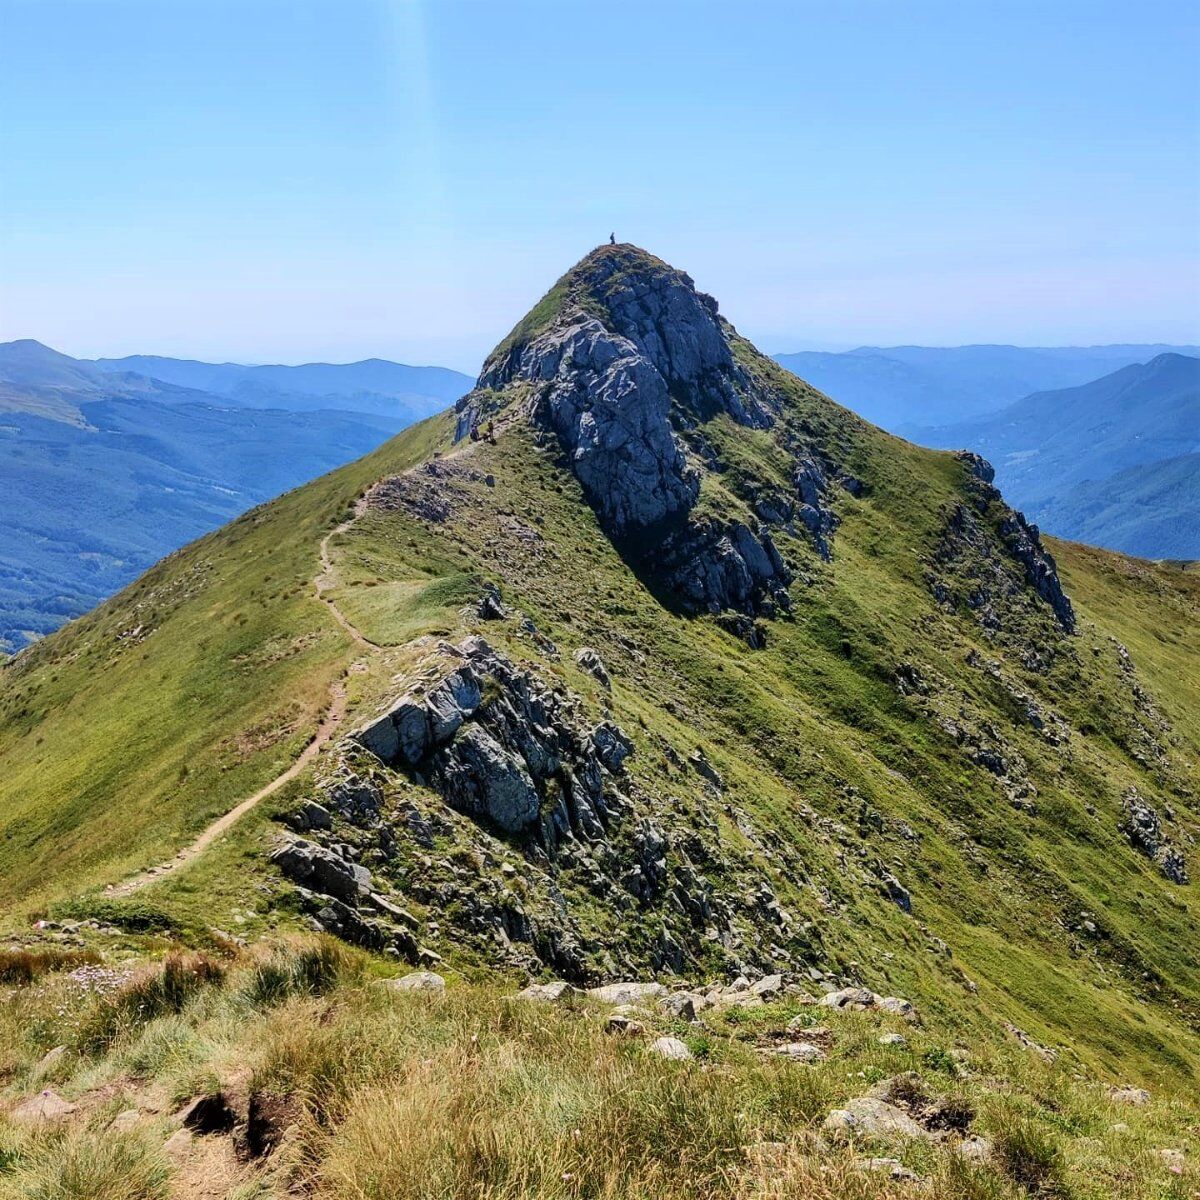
column 642, row 383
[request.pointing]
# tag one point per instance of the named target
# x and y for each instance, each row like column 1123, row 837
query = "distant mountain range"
column 899, row 386
column 1114, row 462
column 104, row 469
column 373, row 385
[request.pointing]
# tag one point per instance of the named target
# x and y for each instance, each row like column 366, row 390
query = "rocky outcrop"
column 503, row 749
column 1143, row 826
column 1024, row 543
column 711, row 567
column 633, row 355
column 976, row 565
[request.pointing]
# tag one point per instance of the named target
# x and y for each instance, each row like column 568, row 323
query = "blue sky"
column 270, row 181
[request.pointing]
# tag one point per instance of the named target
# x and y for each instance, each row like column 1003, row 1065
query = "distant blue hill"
column 373, row 385
column 1114, row 462
column 923, row 385
column 103, row 470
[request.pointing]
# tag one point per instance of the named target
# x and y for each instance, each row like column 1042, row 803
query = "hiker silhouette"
column 612, row 239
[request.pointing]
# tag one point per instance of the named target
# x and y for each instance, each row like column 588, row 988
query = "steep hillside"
column 654, row 660
column 1076, row 460
column 902, row 386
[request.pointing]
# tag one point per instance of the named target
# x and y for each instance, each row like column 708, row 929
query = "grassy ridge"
column 401, row 1096
column 129, row 731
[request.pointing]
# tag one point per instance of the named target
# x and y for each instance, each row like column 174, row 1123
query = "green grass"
column 118, row 750
column 403, row 1096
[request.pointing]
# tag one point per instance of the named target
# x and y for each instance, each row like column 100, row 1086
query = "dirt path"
column 330, row 723
column 323, row 582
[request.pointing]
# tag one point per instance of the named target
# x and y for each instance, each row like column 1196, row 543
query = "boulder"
column 588, row 660
column 418, row 981
column 47, row 1107
column 556, row 992
column 768, row 987
column 322, row 870
column 868, row 1117
column 627, row 993
column 683, row 1005
column 851, row 997
column 672, row 1048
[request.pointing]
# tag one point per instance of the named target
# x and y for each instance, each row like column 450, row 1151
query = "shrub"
column 88, row 1166
column 1031, row 1158
column 308, row 970
column 154, row 993
column 21, row 967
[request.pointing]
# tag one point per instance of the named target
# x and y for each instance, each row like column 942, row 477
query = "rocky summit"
column 649, row 678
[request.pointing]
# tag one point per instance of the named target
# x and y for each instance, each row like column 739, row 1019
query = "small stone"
column 801, row 1051
column 46, row 1107
column 49, row 1059
column 893, row 1168
column 177, row 1146
column 896, row 1006
column 123, row 1122
column 893, row 1039
column 418, row 981
column 672, row 1048
column 975, row 1149
column 1129, row 1095
column 625, row 1026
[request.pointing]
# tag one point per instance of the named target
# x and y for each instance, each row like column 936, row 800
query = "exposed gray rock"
column 1142, row 825
column 627, row 993
column 521, row 761
column 556, row 992
column 588, row 660
column 801, row 1051
column 672, row 1048
column 867, row 1117
column 712, row 566
column 852, row 997
column 418, row 981
column 309, row 815
column 322, row 870
column 46, row 1108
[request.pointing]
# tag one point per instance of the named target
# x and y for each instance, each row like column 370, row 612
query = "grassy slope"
column 116, row 751
column 402, row 1096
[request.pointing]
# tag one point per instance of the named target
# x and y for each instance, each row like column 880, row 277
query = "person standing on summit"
column 612, row 239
